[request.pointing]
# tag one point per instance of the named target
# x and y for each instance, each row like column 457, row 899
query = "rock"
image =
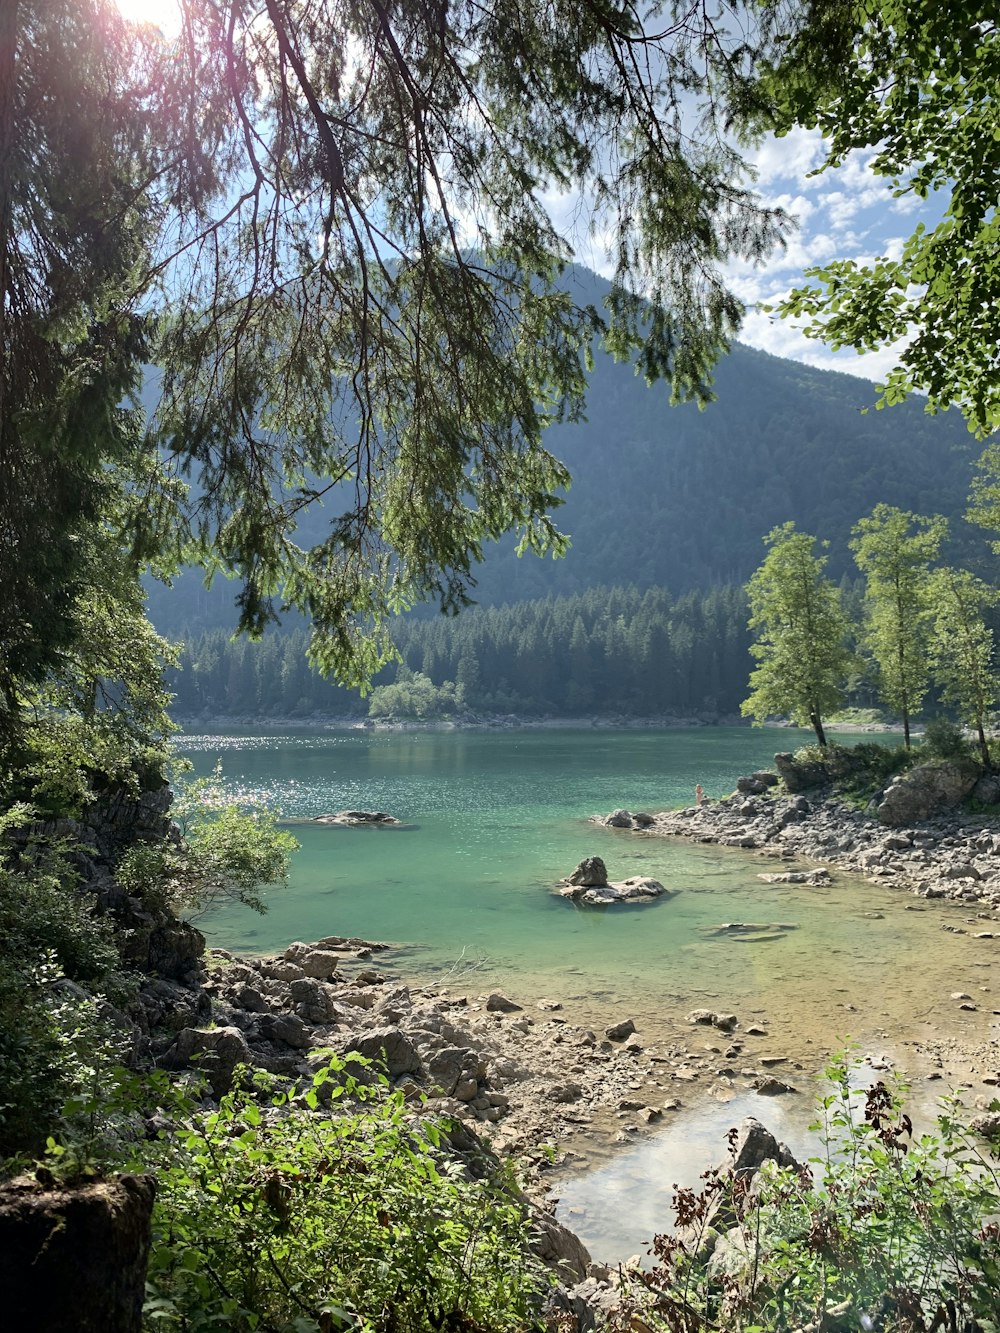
column 500, row 1004
column 800, row 775
column 557, row 1246
column 386, row 1047
column 987, row 789
column 643, row 820
column 565, row 1092
column 619, row 819
column 926, row 791
column 988, row 1125
column 590, row 873
column 455, row 1066
column 282, row 971
column 215, row 1052
column 286, row 1028
column 315, row 1001
column 819, row 877
column 767, row 1086
column 704, row 1016
column 620, row 1030
column 725, row 1022
column 175, row 950
column 637, row 889
column 751, row 786
column 377, row 818
column 73, row 1259
column 314, row 961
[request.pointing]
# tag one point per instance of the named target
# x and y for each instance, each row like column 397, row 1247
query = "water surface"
column 494, row 819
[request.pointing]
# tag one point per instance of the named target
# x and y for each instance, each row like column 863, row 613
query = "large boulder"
column 175, row 950
column 926, row 791
column 216, row 1052
column 387, row 1048
column 590, row 873
column 637, row 889
column 801, row 774
column 73, row 1259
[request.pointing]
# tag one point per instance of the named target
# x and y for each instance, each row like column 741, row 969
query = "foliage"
column 229, row 850
column 881, row 1232
column 74, row 226
column 916, row 82
column 801, row 651
column 414, row 695
column 638, row 654
column 894, row 551
column 962, row 648
column 51, row 1032
column 945, row 740
column 291, row 1218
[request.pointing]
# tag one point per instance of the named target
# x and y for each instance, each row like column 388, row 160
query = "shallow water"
column 494, row 819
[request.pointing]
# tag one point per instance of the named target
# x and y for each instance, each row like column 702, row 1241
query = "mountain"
column 681, row 498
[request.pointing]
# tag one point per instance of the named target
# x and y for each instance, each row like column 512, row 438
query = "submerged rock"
column 353, row 818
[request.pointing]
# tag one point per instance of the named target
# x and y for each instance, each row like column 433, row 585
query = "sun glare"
column 163, row 14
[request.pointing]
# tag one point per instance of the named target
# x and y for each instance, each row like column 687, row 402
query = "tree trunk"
column 906, row 726
column 817, row 724
column 984, row 749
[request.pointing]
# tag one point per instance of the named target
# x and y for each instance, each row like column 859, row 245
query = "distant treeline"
column 607, row 650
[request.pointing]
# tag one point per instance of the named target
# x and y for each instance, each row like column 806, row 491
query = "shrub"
column 281, row 1218
column 880, row 1234
column 945, row 740
column 228, row 851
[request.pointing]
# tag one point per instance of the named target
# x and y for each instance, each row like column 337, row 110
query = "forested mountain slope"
column 680, row 498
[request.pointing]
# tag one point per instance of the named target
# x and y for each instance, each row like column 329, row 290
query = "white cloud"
column 790, row 158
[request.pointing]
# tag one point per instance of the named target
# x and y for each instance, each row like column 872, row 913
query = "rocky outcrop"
column 73, row 1258
column 941, row 856
column 925, row 791
column 589, row 886
column 800, row 775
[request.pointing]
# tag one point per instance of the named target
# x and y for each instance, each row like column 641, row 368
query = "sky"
column 846, row 213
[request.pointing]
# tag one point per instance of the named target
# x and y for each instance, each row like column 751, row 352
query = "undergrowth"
column 881, row 1232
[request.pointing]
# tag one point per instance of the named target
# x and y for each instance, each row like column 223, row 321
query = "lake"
column 493, row 819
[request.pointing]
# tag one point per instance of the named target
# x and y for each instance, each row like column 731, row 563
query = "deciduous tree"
column 916, row 82
column 962, row 648
column 894, row 550
column 801, row 646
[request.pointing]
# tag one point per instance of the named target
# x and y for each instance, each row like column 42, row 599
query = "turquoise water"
column 465, row 890
column 494, row 819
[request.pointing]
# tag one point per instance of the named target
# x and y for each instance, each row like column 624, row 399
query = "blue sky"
column 842, row 213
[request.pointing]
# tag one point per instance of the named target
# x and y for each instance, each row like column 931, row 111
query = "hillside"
column 680, row 498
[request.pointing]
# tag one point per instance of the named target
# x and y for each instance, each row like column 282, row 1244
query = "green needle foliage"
column 287, row 1217
column 802, row 629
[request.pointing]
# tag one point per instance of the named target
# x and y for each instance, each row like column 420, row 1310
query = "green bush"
column 880, row 1234
column 228, row 851
column 284, row 1219
column 50, row 1032
column 946, row 741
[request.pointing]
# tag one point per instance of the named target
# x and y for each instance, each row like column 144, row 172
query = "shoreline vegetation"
column 220, row 722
